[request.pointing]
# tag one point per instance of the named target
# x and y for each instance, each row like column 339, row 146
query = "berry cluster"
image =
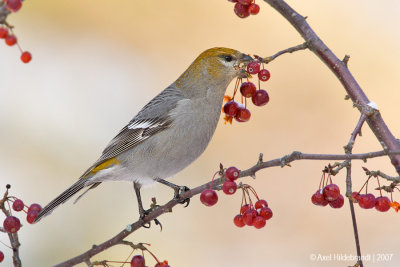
column 209, row 197
column 252, row 215
column 12, row 224
column 245, row 8
column 260, row 97
column 329, row 194
column 369, row 201
column 138, row 261
column 7, row 33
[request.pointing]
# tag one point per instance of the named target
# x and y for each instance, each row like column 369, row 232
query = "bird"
column 168, row 133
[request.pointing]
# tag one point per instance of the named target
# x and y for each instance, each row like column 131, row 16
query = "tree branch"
column 357, row 95
column 283, row 161
column 3, row 12
column 14, row 241
column 348, row 150
column 302, row 46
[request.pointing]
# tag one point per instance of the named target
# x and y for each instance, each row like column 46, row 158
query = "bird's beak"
column 245, row 58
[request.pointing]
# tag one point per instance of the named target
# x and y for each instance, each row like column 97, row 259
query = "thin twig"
column 302, row 46
column 353, row 89
column 349, row 149
column 346, row 60
column 356, row 238
column 13, row 237
column 283, row 161
column 3, row 12
column 394, row 179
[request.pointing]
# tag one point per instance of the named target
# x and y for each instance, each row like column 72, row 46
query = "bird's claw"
column 178, row 192
column 143, row 215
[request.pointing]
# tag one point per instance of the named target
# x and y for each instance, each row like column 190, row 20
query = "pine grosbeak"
column 169, row 133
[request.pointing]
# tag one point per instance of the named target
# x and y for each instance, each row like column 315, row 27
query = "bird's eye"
column 228, row 58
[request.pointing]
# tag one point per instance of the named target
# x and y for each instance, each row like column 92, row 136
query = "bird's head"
column 218, row 65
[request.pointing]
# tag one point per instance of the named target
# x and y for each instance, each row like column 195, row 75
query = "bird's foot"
column 143, row 213
column 178, row 192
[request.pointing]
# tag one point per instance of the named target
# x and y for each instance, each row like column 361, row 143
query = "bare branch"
column 14, row 241
column 348, row 150
column 283, row 161
column 302, row 46
column 353, row 89
column 3, row 13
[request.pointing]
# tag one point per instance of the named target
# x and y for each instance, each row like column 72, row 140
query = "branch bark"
column 13, row 237
column 283, row 161
column 353, row 89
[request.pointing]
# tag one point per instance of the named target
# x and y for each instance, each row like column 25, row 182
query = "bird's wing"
column 153, row 118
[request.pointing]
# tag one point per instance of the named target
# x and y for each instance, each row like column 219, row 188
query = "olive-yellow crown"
column 219, row 64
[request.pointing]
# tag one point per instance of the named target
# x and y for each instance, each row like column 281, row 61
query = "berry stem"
column 154, row 256
column 238, row 82
column 248, row 194
column 366, row 182
column 213, row 179
column 322, row 180
column 254, row 192
column 379, row 184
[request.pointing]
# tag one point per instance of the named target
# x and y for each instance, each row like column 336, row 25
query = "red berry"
column 229, row 187
column 30, row 218
column 248, row 216
column 244, row 208
column 231, row 108
column 1, row 256
column 318, row 199
column 3, row 32
column 238, row 220
column 331, row 192
column 11, row 224
column 253, row 67
column 18, row 205
column 261, row 204
column 14, row 5
column 247, row 89
column 137, row 261
column 11, row 40
column 162, row 264
column 337, row 203
column 366, row 201
column 356, row 196
column 26, row 57
column 254, row 9
column 232, row 173
column 241, row 11
column 209, row 197
column 382, row 204
column 259, row 222
column 243, row 114
column 264, row 75
column 260, row 98
column 245, row 2
column 266, row 213
column 36, row 207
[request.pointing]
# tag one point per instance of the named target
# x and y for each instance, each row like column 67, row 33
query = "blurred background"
column 96, row 63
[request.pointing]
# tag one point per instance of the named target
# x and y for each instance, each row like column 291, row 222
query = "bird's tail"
column 67, row 194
